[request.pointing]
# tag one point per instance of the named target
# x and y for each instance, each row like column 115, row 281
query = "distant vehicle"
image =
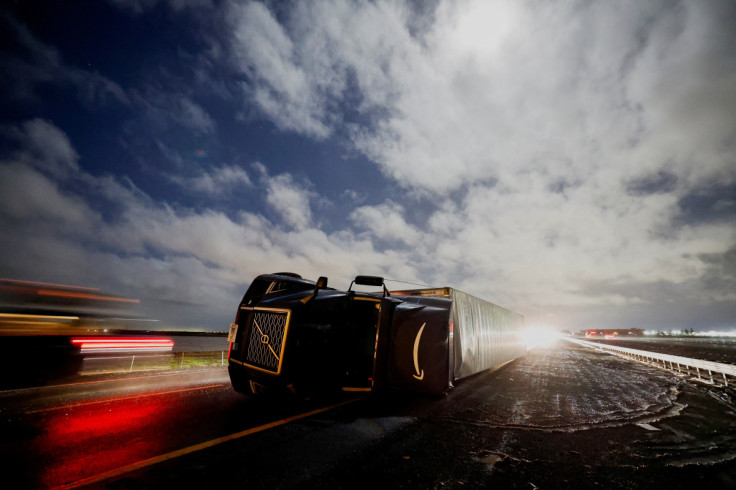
column 295, row 334
column 47, row 330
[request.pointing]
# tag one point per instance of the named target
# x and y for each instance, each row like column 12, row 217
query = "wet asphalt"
column 561, row 417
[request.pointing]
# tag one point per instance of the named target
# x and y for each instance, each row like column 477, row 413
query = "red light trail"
column 118, row 344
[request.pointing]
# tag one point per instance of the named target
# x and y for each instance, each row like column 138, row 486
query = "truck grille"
column 266, row 337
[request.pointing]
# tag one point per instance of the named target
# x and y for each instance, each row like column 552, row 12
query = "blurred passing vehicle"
column 47, row 329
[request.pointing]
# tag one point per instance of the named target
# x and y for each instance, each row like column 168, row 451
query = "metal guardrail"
column 695, row 368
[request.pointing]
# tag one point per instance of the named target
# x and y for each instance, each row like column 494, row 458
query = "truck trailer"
column 303, row 336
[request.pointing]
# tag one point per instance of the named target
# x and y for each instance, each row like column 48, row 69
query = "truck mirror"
column 369, row 280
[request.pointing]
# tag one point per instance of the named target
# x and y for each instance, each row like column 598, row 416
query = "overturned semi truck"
column 292, row 333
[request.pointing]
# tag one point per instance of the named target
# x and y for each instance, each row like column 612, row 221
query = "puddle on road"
column 491, row 459
column 563, row 391
column 642, row 421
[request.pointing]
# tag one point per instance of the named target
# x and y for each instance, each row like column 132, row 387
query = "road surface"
column 564, row 416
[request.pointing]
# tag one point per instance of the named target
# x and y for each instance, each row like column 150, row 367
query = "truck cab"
column 300, row 335
column 303, row 336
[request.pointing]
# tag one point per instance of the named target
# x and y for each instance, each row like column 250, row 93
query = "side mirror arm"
column 321, row 284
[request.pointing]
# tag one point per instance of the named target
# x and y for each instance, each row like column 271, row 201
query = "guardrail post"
column 698, row 370
column 725, row 380
column 711, row 376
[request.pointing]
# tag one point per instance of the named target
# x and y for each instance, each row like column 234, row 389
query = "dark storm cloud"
column 720, row 275
column 661, row 182
column 714, row 203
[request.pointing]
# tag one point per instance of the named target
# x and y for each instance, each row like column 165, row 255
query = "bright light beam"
column 539, row 337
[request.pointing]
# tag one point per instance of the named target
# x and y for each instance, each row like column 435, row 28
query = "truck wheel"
column 239, row 383
column 271, row 392
column 256, row 388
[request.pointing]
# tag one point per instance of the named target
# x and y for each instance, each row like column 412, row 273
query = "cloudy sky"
column 572, row 161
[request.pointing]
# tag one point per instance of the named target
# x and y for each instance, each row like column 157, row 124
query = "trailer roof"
column 444, row 292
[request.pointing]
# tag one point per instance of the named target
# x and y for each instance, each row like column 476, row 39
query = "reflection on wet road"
column 82, row 438
column 560, row 417
column 570, row 390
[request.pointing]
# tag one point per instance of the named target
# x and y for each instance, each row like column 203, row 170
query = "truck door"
column 362, row 326
column 415, row 350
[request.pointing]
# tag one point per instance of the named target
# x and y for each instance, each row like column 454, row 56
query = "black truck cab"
column 303, row 336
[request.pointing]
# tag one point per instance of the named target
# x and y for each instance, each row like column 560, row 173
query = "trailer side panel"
column 485, row 335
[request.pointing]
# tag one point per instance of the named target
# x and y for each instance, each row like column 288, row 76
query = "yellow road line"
column 197, row 447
